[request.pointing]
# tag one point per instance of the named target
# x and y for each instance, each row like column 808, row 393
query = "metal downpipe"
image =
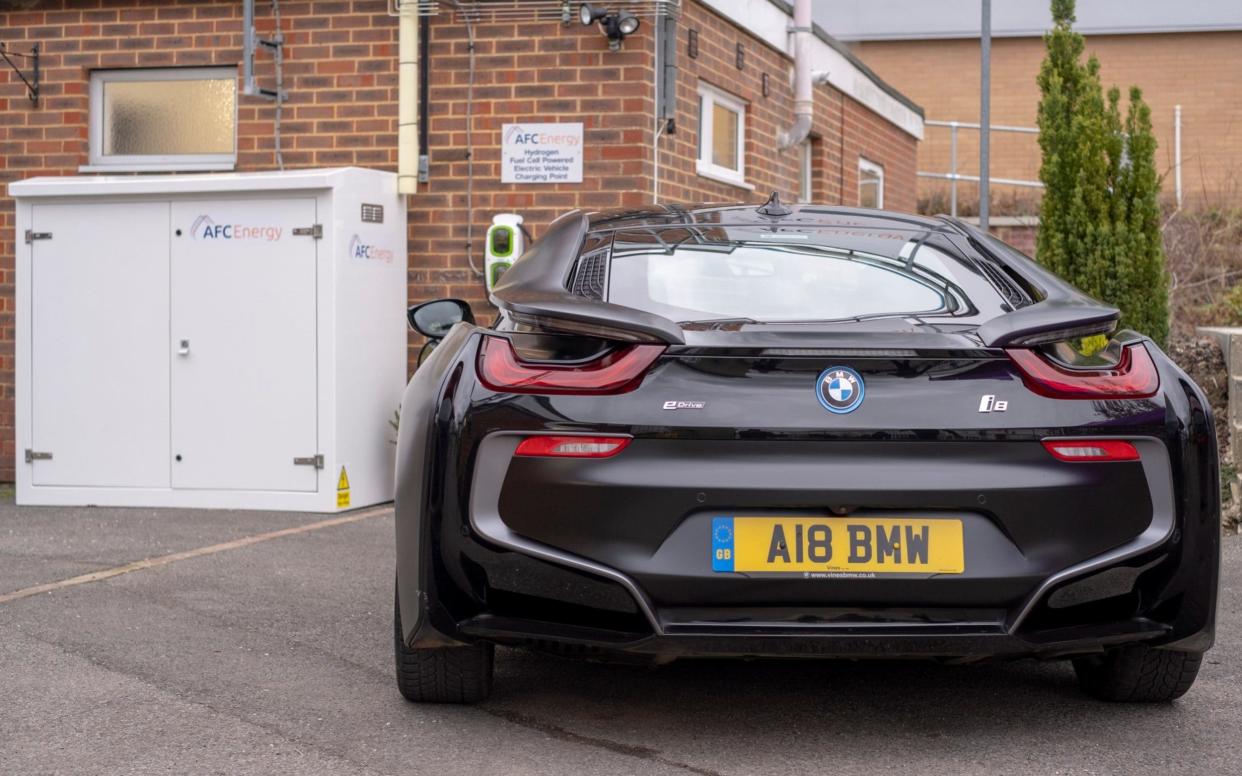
column 803, row 94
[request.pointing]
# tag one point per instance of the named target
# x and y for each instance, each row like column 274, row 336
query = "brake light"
column 1134, row 376
column 618, row 371
column 572, row 446
column 1091, row 449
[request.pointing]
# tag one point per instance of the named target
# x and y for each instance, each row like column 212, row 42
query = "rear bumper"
column 963, row 641
column 1025, row 602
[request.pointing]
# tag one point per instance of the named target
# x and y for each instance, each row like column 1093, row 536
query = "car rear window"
column 790, row 277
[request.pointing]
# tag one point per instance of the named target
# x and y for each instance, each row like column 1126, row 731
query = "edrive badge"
column 840, row 389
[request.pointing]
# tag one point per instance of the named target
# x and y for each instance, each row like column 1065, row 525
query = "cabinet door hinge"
column 310, row 460
column 34, row 455
column 32, row 235
column 315, row 231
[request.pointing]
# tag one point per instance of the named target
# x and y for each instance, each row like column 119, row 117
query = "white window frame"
column 99, row 162
column 709, row 97
column 866, row 165
column 806, row 177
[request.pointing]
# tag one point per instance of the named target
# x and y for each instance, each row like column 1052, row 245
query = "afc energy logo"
column 516, row 134
column 364, row 252
column 205, row 228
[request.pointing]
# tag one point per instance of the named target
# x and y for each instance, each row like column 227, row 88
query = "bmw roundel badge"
column 840, row 389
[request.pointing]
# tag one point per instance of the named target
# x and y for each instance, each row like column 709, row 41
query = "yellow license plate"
column 837, row 544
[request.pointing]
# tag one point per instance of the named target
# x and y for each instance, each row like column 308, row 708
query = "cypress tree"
column 1100, row 218
column 1138, row 187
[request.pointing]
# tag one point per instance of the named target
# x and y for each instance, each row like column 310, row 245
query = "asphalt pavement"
column 273, row 656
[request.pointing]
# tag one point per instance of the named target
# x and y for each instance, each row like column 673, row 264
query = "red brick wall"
column 341, row 73
column 842, row 129
column 1197, row 70
column 535, row 71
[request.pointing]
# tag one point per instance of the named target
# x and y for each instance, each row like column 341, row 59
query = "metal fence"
column 953, row 176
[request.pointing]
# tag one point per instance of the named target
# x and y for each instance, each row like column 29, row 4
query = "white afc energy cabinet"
column 216, row 340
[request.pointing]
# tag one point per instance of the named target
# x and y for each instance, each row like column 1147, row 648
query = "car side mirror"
column 434, row 319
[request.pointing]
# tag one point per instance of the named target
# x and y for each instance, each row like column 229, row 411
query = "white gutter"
column 803, row 94
column 407, row 99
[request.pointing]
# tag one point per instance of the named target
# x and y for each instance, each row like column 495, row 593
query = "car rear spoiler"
column 1060, row 311
column 1051, row 320
column 535, row 291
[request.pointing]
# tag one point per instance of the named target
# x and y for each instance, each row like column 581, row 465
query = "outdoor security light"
column 615, row 25
column 590, row 14
column 627, row 23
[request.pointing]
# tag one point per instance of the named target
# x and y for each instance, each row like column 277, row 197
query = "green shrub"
column 1100, row 218
column 1226, row 311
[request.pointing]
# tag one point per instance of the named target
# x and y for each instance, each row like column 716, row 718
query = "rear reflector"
column 618, row 371
column 572, row 446
column 1133, row 377
column 1091, row 449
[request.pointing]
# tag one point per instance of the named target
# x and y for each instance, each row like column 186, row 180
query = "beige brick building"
column 1180, row 54
column 341, row 74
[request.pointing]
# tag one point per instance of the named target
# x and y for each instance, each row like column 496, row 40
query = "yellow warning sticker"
column 342, row 490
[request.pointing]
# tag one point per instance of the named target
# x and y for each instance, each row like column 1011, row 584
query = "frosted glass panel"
column 169, row 117
column 870, row 188
column 724, row 137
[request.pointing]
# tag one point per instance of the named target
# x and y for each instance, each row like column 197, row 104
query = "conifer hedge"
column 1100, row 216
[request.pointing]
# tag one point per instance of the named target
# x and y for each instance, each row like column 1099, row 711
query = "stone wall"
column 1204, row 361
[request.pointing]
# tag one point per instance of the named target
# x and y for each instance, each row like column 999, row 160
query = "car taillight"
column 1134, row 376
column 1091, row 449
column 618, row 371
column 572, row 446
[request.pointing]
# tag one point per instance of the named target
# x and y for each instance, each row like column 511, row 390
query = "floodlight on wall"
column 616, row 26
column 589, row 14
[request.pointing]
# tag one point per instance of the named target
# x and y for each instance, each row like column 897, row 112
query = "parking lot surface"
column 271, row 654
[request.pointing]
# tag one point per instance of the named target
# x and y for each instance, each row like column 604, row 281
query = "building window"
column 806, row 180
column 722, row 137
column 870, row 184
column 163, row 119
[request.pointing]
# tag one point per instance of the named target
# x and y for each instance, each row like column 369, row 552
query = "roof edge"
column 845, row 51
column 769, row 21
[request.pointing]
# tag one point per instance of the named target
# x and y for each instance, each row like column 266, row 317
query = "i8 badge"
column 840, row 389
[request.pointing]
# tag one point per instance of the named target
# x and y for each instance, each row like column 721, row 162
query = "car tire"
column 441, row 674
column 1138, row 674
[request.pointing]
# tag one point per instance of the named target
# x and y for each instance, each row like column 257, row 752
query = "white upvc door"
column 99, row 371
column 243, row 345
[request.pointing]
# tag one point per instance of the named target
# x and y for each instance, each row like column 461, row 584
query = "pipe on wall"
column 803, row 94
column 407, row 99
column 1177, row 153
column 424, row 101
column 985, row 113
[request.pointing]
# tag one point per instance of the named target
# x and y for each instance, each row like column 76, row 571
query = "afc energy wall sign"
column 541, row 153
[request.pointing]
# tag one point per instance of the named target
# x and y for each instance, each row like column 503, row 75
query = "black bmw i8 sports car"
column 803, row 431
